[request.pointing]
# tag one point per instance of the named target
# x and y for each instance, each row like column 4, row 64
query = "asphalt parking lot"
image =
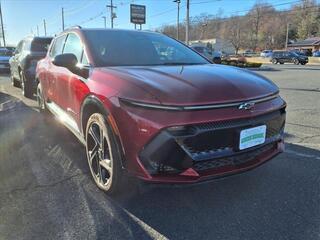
column 46, row 191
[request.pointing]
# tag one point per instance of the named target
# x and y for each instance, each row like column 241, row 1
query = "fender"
column 92, row 100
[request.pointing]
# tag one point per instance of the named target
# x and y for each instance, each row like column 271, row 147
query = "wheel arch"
column 93, row 104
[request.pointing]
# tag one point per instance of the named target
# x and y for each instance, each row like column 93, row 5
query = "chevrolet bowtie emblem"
column 246, row 105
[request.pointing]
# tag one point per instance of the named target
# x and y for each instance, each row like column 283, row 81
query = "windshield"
column 133, row 48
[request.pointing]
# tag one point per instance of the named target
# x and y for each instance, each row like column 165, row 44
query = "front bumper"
column 203, row 146
column 30, row 76
column 208, row 150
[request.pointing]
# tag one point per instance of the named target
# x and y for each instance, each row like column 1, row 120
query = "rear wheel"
column 25, row 87
column 274, row 61
column 296, row 61
column 103, row 154
column 14, row 81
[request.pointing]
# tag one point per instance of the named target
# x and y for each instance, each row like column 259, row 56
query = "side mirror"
column 67, row 60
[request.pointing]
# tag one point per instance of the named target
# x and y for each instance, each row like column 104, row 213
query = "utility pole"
column 62, row 18
column 187, row 22
column 287, row 35
column 44, row 27
column 105, row 21
column 38, row 30
column 2, row 28
column 178, row 3
column 112, row 15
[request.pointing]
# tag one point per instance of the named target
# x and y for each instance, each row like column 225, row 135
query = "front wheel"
column 296, row 61
column 40, row 99
column 103, row 154
column 274, row 61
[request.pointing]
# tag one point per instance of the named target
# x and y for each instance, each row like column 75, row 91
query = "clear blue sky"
column 21, row 17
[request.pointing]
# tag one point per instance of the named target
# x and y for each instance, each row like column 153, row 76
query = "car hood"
column 195, row 84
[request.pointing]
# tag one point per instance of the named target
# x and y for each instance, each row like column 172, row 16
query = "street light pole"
column 62, row 18
column 178, row 3
column 287, row 35
column 105, row 21
column 2, row 28
column 44, row 27
column 187, row 22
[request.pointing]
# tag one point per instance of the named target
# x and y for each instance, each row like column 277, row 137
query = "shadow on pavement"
column 47, row 191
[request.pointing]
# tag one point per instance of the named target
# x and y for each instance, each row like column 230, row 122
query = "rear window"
column 199, row 49
column 40, row 45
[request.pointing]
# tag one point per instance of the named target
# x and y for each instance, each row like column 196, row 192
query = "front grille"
column 218, row 139
column 235, row 160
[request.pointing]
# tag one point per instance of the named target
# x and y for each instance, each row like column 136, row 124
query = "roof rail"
column 74, row 26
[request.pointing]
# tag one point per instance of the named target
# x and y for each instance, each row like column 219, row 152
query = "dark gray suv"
column 288, row 57
column 24, row 61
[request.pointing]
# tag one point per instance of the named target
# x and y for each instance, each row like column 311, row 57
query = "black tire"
column 303, row 63
column 296, row 61
column 14, row 82
column 25, row 86
column 104, row 155
column 40, row 99
column 281, row 62
column 274, row 61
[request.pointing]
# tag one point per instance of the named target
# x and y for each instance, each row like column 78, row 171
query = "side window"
column 57, row 46
column 73, row 45
column 84, row 59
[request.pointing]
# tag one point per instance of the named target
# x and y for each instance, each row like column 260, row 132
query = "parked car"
column 5, row 55
column 214, row 56
column 288, row 57
column 24, row 61
column 249, row 53
column 266, row 53
column 173, row 119
column 316, row 54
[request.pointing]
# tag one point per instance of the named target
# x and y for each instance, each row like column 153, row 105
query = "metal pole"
column 62, row 15
column 187, row 22
column 140, row 26
column 2, row 28
column 287, row 36
column 111, row 14
column 105, row 21
column 178, row 14
column 135, row 26
column 44, row 27
column 38, row 30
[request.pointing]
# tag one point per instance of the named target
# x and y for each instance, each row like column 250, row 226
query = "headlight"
column 151, row 105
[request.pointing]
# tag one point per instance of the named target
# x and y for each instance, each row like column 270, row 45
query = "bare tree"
column 233, row 32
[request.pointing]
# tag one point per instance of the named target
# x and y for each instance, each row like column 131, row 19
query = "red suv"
column 147, row 105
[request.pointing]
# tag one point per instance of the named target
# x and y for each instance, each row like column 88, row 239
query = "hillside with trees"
column 262, row 27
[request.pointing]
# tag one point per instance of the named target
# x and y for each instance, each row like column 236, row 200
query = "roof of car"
column 37, row 38
column 80, row 29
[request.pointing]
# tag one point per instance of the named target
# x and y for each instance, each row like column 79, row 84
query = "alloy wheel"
column 40, row 99
column 99, row 155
